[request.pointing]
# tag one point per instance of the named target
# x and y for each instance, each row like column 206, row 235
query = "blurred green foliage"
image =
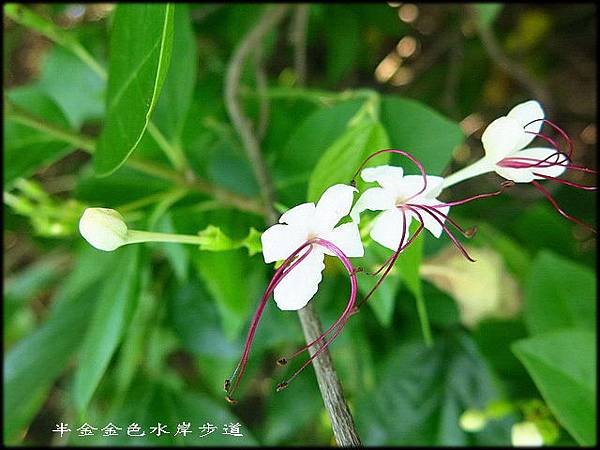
column 148, row 333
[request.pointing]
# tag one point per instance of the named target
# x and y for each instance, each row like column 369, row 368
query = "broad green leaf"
column 563, row 367
column 79, row 90
column 121, row 187
column 342, row 159
column 306, row 144
column 32, row 365
column 109, row 320
column 559, row 294
column 421, row 131
column 141, row 44
column 177, row 91
column 488, row 12
column 383, row 299
column 303, row 403
column 409, row 263
column 235, row 282
column 27, row 149
column 421, row 393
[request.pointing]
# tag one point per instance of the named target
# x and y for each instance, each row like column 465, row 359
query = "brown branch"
column 298, row 38
column 269, row 20
column 329, row 384
column 514, row 70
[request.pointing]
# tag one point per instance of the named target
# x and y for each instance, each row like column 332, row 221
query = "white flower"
column 103, row 228
column 526, row 434
column 400, row 198
column 504, row 142
column 301, row 224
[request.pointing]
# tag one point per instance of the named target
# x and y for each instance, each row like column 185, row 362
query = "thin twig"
column 261, row 89
column 269, row 20
column 514, row 70
column 298, row 38
column 16, row 113
column 329, row 384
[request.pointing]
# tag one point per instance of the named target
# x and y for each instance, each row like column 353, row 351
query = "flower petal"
column 387, row 176
column 502, row 137
column 524, row 113
column 302, row 214
column 347, row 238
column 526, row 174
column 387, row 229
column 334, row 204
column 280, row 241
column 302, row 282
column 411, row 184
column 374, row 199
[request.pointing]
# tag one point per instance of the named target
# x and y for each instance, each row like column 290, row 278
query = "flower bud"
column 103, row 228
column 472, row 420
column 526, row 434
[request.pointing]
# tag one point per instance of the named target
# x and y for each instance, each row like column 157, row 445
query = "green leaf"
column 409, row 263
column 563, row 367
column 383, row 299
column 109, row 321
column 421, row 131
column 66, row 90
column 342, row 159
column 559, row 294
column 141, row 44
column 421, row 393
column 487, row 12
column 32, row 365
column 177, row 91
column 27, row 149
column 235, row 282
column 306, row 144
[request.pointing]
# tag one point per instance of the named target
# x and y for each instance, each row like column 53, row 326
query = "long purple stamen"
column 339, row 323
column 292, row 262
column 559, row 209
column 517, row 162
column 455, row 241
column 288, row 265
column 390, row 263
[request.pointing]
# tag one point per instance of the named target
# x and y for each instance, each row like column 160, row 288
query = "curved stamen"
column 346, row 312
column 390, row 264
column 560, row 131
column 342, row 320
column 559, row 209
column 238, row 372
column 448, row 232
column 321, row 349
column 466, row 233
column 503, row 186
column 567, row 183
column 399, row 152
